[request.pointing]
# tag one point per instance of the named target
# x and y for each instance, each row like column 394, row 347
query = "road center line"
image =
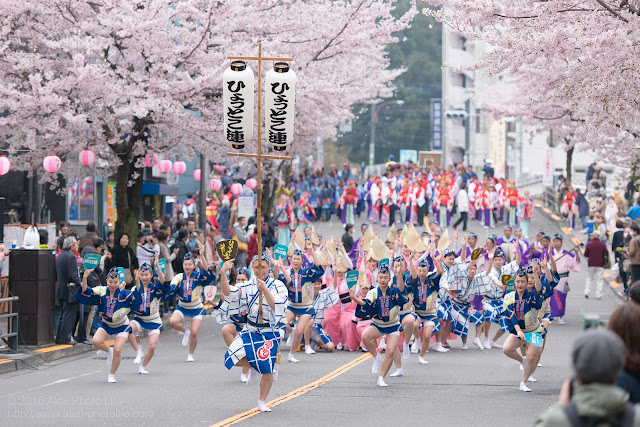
column 52, row 383
column 295, row 393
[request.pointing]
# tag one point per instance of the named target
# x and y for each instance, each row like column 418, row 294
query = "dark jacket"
column 631, row 384
column 594, row 251
column 224, row 214
column 66, row 272
column 177, row 262
column 347, row 241
column 583, row 205
column 120, row 258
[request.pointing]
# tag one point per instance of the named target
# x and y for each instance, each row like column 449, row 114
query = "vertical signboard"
column 436, row 124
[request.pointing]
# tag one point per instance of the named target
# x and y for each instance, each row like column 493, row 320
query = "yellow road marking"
column 295, row 393
column 53, row 348
column 556, row 217
column 109, row 343
column 538, row 205
column 5, row 361
column 575, row 240
column 565, row 230
column 605, row 274
column 547, row 210
column 614, row 284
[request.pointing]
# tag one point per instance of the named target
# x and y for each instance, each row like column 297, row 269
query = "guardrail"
column 12, row 317
column 551, row 199
column 533, row 185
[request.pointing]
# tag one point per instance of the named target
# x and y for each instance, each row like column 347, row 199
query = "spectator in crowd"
column 487, row 169
column 111, row 240
column 595, row 251
column 44, row 239
column 181, row 245
column 146, row 248
column 590, row 171
column 123, row 256
column 87, row 239
column 347, row 237
column 66, row 277
column 634, row 212
column 240, row 234
column 62, row 228
column 583, row 209
column 193, row 235
column 619, row 244
column 624, row 322
column 634, row 252
column 592, row 398
column 634, row 292
column 224, row 215
column 189, row 207
column 155, row 227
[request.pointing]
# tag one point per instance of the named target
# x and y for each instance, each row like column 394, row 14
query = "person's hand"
column 262, row 285
column 378, row 232
column 352, row 292
column 136, row 273
column 228, row 265
column 521, row 335
column 175, row 251
column 308, row 245
column 455, row 234
column 463, row 241
column 565, row 393
column 108, row 254
column 87, row 273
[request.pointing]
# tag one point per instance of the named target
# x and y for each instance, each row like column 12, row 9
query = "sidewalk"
column 32, row 356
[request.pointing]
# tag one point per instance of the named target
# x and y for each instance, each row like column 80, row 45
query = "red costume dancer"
column 569, row 208
column 512, row 197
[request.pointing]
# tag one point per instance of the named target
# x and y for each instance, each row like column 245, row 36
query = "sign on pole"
column 436, row 124
column 245, row 204
column 547, row 176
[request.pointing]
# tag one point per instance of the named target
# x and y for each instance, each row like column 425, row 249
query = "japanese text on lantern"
column 278, row 114
column 235, row 113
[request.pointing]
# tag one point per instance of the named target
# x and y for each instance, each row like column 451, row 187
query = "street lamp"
column 374, row 120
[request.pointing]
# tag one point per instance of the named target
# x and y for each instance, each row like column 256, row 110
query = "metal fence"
column 551, row 199
column 10, row 337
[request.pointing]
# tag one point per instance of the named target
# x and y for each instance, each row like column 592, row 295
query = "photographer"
column 147, row 247
column 592, row 397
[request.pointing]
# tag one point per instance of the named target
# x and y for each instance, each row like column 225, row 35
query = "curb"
column 31, row 357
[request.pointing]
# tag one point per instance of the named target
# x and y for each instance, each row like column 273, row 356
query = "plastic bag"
column 31, row 238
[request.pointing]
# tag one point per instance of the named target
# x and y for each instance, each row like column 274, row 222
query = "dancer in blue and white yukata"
column 299, row 282
column 114, row 305
column 236, row 322
column 148, row 296
column 520, row 312
column 256, row 346
column 189, row 287
column 425, row 286
column 382, row 304
column 453, row 272
column 501, row 275
column 326, row 296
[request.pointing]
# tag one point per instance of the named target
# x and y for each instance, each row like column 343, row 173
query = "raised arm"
column 412, row 267
column 518, row 254
column 224, row 280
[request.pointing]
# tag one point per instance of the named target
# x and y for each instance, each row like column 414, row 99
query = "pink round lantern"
column 236, row 188
column 150, row 161
column 179, row 167
column 5, row 165
column 219, row 168
column 52, row 163
column 215, row 184
column 87, row 157
column 164, row 165
column 197, row 174
column 252, row 183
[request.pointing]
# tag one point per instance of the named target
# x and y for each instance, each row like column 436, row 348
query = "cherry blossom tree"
column 129, row 78
column 575, row 64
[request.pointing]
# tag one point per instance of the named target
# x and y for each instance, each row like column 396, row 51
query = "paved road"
column 473, row 387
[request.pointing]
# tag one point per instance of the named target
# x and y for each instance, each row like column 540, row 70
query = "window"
column 80, row 199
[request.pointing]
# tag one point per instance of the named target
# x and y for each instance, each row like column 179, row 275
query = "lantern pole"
column 259, row 156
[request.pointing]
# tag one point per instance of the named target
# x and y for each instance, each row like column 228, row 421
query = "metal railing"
column 10, row 338
column 551, row 199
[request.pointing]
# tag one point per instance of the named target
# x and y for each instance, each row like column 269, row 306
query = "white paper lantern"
column 280, row 103
column 237, row 94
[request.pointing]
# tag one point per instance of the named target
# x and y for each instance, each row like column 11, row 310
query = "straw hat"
column 379, row 250
column 392, row 236
column 341, row 265
column 368, row 236
column 411, row 239
column 444, row 240
column 298, row 238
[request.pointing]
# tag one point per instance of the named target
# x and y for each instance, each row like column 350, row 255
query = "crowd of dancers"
column 411, row 293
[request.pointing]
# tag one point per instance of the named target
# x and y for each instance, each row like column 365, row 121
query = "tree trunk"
column 569, row 164
column 269, row 186
column 128, row 201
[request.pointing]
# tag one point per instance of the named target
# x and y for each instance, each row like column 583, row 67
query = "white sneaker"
column 523, row 387
column 262, row 406
column 422, row 361
column 487, row 344
column 381, row 382
column 415, row 347
column 308, row 350
column 477, row 343
column 190, row 358
column 101, row 353
column 142, row 371
column 244, row 378
column 539, row 365
column 440, row 349
column 382, row 345
column 406, row 352
column 339, row 346
column 398, row 373
column 275, row 373
column 377, row 361
column 290, row 339
column 251, row 378
column 495, row 345
column 185, row 338
column 524, row 362
column 533, row 380
column 111, row 378
column 139, row 356
column 290, row 358
column 561, row 321
column 465, row 346
column 110, row 356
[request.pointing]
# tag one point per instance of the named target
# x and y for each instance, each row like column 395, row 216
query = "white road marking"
column 52, row 383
